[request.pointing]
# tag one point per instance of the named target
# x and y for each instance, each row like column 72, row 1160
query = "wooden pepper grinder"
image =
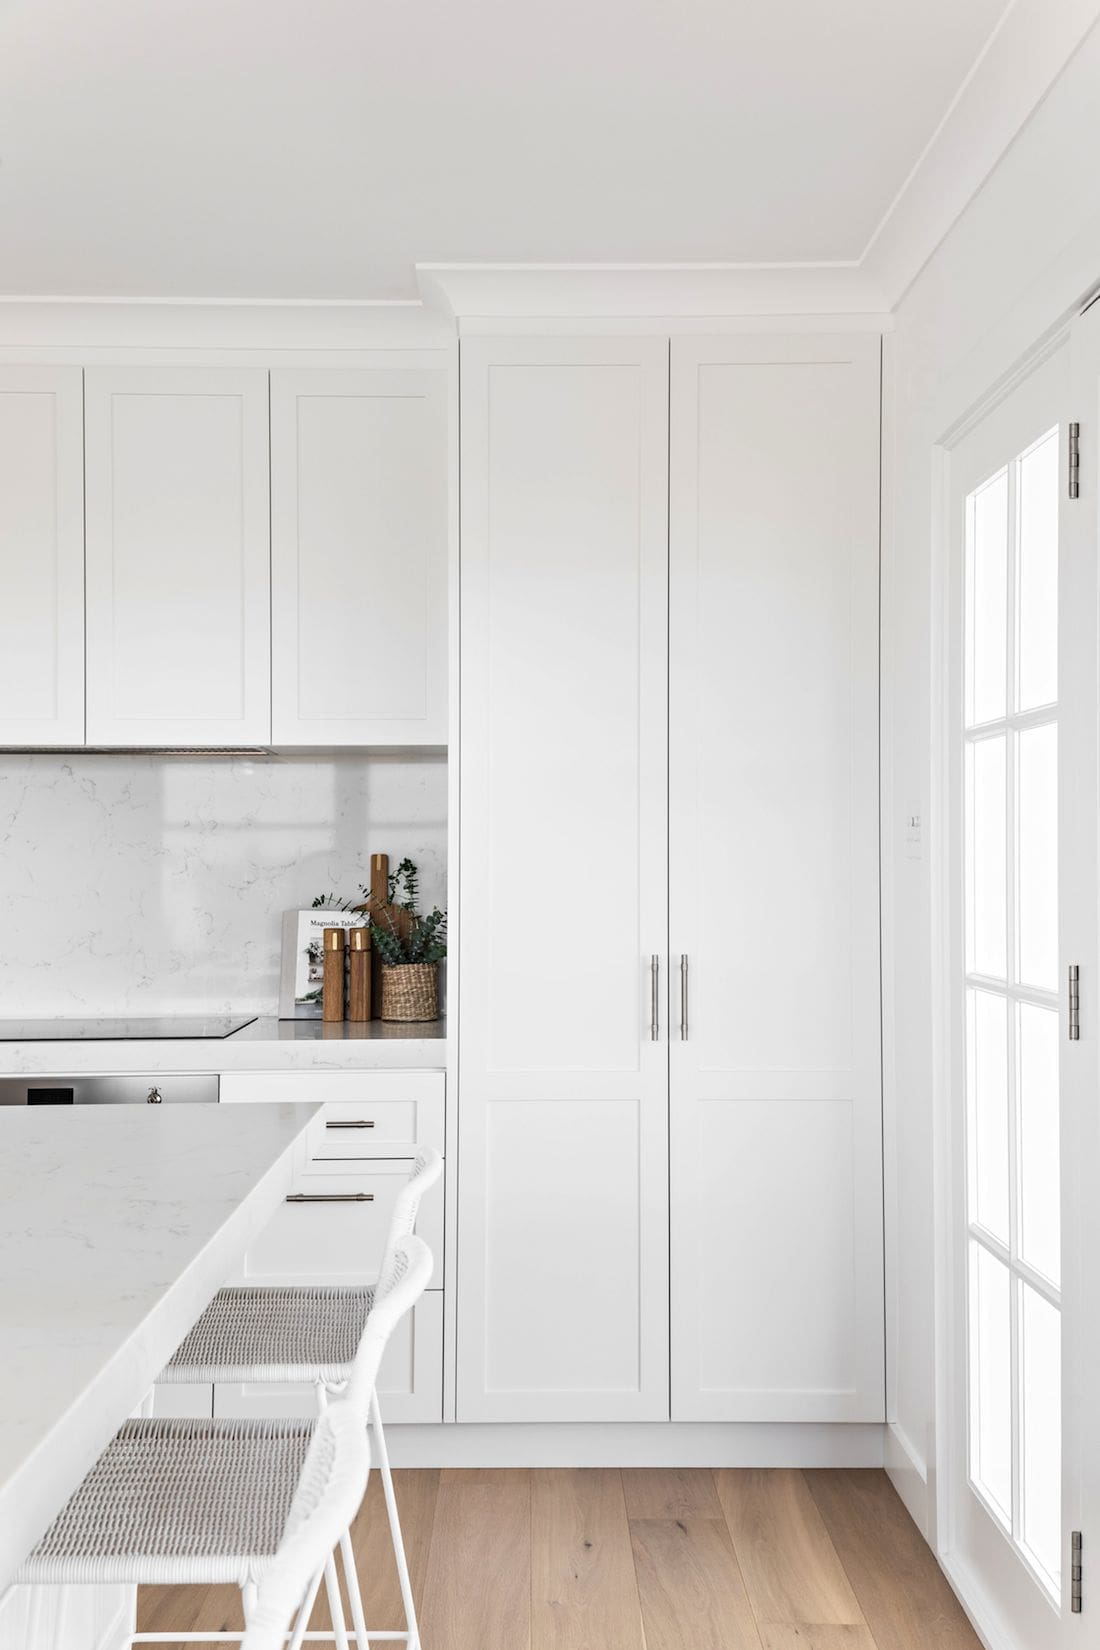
column 332, row 985
column 359, row 961
column 379, row 898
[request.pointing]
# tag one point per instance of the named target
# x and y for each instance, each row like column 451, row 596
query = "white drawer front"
column 349, row 1132
column 410, row 1383
column 335, row 1229
column 372, row 1114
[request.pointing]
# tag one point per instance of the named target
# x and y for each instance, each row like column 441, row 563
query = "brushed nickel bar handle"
column 683, row 998
column 654, row 998
column 330, row 1197
column 361, row 1123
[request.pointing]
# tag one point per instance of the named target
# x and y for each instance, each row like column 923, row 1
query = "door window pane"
column 1041, row 1427
column 1037, row 574
column 987, row 600
column 985, row 856
column 987, row 1104
column 1037, row 1059
column 991, row 1380
column 1037, row 855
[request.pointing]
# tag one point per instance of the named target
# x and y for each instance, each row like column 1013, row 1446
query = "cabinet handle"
column 360, row 1123
column 330, row 1197
column 654, row 997
column 684, row 998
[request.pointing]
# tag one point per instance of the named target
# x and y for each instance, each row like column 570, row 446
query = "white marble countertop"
column 265, row 1045
column 117, row 1226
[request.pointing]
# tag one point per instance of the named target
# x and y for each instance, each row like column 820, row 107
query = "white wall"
column 149, row 884
column 1016, row 263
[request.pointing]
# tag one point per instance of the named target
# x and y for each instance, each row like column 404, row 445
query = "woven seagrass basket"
column 410, row 991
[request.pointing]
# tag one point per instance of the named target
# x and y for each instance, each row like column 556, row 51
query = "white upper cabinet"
column 776, row 1119
column 178, row 574
column 41, row 557
column 563, row 1217
column 359, row 522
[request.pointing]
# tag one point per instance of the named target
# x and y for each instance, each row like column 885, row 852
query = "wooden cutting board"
column 381, row 911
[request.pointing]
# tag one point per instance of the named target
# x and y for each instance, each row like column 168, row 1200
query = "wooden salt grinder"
column 359, row 961
column 332, row 985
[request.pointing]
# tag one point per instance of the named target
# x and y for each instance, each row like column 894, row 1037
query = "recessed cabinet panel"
column 565, row 1223
column 774, row 875
column 41, row 556
column 563, row 665
column 564, row 873
column 359, row 556
column 778, row 1337
column 177, row 556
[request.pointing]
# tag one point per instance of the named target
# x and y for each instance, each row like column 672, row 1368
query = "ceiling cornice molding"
column 514, row 292
column 152, row 323
column 1021, row 61
column 1031, row 45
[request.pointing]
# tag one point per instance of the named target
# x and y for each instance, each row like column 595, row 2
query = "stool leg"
column 304, row 1613
column 336, row 1605
column 395, row 1524
column 351, row 1576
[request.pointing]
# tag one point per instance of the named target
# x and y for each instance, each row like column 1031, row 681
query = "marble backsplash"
column 154, row 884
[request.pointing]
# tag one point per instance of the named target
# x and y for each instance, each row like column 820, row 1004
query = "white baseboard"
column 909, row 1476
column 661, row 1444
column 995, row 1632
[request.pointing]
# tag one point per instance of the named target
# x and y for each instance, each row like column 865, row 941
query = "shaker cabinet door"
column 41, row 556
column 359, row 523
column 178, row 569
column 563, row 1221
column 776, row 1166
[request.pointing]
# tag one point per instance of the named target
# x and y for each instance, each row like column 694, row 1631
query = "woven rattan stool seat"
column 297, row 1334
column 178, row 1501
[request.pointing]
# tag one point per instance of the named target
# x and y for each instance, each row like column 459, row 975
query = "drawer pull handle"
column 330, row 1197
column 359, row 1123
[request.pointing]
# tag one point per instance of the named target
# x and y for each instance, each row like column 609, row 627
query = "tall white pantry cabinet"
column 669, row 1055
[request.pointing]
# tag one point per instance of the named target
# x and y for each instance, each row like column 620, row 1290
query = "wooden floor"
column 643, row 1559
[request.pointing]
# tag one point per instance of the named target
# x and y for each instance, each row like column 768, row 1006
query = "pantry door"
column 1022, row 732
column 563, row 1053
column 775, row 1111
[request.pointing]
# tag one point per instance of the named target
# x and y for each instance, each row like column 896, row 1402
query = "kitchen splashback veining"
column 140, row 884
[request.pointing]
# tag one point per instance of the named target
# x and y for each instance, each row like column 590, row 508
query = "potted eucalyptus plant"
column 410, row 947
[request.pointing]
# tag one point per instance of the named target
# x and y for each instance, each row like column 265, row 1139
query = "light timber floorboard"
column 676, row 1492
column 779, row 1635
column 791, row 1568
column 580, row 1559
column 477, row 1592
column 692, row 1592
column 902, row 1590
column 584, row 1593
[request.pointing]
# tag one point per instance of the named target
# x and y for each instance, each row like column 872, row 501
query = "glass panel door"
column 1010, row 737
column 1010, row 1440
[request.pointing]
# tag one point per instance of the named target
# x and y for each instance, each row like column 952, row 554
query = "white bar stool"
column 299, row 1334
column 211, row 1502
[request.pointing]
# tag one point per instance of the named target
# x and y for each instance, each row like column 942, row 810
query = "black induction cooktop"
column 122, row 1030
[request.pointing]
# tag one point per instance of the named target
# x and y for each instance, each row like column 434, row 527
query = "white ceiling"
column 320, row 148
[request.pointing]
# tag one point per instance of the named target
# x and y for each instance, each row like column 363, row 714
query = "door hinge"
column 1075, row 461
column 1075, row 1573
column 1074, row 1003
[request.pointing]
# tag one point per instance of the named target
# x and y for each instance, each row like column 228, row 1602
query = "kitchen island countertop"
column 117, row 1226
